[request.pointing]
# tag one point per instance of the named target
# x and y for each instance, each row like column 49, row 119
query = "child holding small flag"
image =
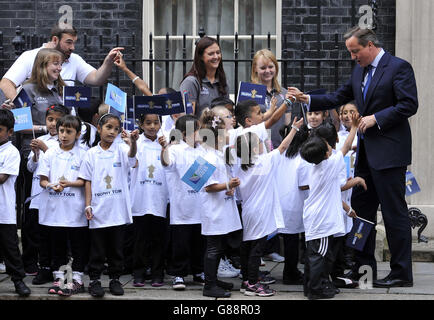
column 31, row 222
column 186, row 204
column 261, row 214
column 105, row 170
column 149, row 198
column 9, row 168
column 220, row 217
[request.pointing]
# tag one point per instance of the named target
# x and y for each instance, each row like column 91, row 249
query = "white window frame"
column 149, row 26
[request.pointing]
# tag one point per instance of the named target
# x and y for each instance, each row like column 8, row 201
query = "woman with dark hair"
column 206, row 79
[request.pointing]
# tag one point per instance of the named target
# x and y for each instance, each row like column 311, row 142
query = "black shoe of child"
column 199, row 278
column 95, row 289
column 225, row 285
column 43, row 276
column 21, row 288
column 215, row 291
column 327, row 292
column 293, row 279
column 116, row 288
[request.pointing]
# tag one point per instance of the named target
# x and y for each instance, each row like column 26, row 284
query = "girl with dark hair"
column 186, row 204
column 206, row 79
column 262, row 213
column 293, row 184
column 105, row 169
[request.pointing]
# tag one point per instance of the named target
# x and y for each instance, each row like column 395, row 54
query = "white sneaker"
column 2, row 267
column 231, row 267
column 275, row 257
column 178, row 283
column 224, row 271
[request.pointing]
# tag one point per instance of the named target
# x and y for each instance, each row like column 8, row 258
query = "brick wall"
column 301, row 16
column 94, row 18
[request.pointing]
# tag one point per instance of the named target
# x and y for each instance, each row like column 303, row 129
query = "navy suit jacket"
column 392, row 98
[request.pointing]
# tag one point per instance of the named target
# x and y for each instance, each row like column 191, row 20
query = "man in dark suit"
column 384, row 89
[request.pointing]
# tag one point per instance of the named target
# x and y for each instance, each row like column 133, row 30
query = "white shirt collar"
column 3, row 146
column 377, row 58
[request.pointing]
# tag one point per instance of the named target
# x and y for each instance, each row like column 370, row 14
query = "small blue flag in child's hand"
column 252, row 91
column 77, row 97
column 23, row 119
column 120, row 115
column 116, row 98
column 411, row 185
column 198, row 174
column 130, row 119
column 359, row 233
column 22, row 99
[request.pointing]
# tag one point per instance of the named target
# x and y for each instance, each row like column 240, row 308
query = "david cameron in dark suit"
column 384, row 88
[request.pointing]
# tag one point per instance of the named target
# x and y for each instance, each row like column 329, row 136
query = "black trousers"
column 318, row 264
column 30, row 233
column 215, row 250
column 188, row 249
column 54, row 244
column 385, row 187
column 291, row 251
column 338, row 268
column 11, row 252
column 251, row 253
column 149, row 241
column 106, row 243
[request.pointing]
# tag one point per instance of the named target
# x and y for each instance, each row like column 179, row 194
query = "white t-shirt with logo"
column 75, row 68
column 322, row 213
column 148, row 190
column 220, row 214
column 186, row 204
column 66, row 208
column 262, row 213
column 108, row 172
column 50, row 141
column 10, row 165
column 292, row 173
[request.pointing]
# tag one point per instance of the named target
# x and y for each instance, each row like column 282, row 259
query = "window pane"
column 173, row 17
column 257, row 17
column 176, row 69
column 216, row 17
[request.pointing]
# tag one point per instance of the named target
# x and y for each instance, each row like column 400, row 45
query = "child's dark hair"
column 314, row 149
column 210, row 124
column 102, row 121
column 328, row 132
column 181, row 123
column 57, row 108
column 299, row 138
column 243, row 110
column 69, row 121
column 7, row 119
column 244, row 146
column 86, row 114
column 221, row 101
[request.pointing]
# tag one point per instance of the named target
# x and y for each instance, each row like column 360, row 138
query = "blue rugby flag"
column 23, row 119
column 411, row 185
column 359, row 233
column 198, row 174
column 116, row 98
column 78, row 97
column 22, row 99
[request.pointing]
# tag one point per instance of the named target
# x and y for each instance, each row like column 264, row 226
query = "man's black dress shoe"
column 21, row 288
column 390, row 283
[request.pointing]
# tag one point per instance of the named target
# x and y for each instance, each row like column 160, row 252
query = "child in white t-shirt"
column 61, row 206
column 322, row 216
column 9, row 169
column 186, row 204
column 149, row 197
column 30, row 229
column 262, row 213
column 220, row 217
column 293, row 185
column 105, row 170
column 328, row 132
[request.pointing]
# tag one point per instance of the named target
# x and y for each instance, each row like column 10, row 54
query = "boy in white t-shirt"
column 9, row 169
column 322, row 211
